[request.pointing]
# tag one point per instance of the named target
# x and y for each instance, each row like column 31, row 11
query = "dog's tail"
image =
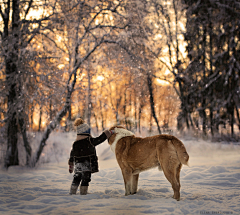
column 181, row 150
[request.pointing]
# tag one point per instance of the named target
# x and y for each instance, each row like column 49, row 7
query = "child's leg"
column 75, row 183
column 86, row 178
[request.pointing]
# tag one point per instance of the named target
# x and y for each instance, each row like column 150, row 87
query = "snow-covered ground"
column 211, row 185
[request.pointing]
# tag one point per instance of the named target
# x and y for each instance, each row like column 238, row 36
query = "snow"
column 211, row 185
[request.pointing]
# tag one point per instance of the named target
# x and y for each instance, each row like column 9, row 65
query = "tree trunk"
column 11, row 60
column 125, row 107
column 31, row 117
column 204, row 78
column 101, row 109
column 150, row 123
column 237, row 112
column 231, row 114
column 186, row 118
column 22, row 124
column 50, row 110
column 211, row 72
column 69, row 118
column 135, row 112
column 204, row 117
column 40, row 119
column 130, row 115
column 150, row 88
column 191, row 121
column 70, row 112
column 211, row 121
column 12, row 149
column 117, row 117
column 139, row 118
column 102, row 116
column 96, row 120
column 218, row 120
column 89, row 104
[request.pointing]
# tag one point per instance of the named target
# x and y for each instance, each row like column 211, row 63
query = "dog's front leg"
column 134, row 184
column 127, row 176
column 128, row 186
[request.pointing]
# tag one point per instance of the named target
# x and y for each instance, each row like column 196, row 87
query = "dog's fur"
column 135, row 154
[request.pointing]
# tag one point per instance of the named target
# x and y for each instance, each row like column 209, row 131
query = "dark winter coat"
column 83, row 154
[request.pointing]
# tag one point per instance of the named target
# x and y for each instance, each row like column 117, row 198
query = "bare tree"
column 92, row 28
column 76, row 29
column 18, row 32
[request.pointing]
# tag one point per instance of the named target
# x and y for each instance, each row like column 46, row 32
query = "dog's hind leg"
column 127, row 176
column 172, row 176
column 171, row 167
column 178, row 173
column 177, row 185
column 134, row 183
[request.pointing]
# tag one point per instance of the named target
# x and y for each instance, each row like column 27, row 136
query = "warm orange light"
column 162, row 82
column 60, row 66
column 100, row 78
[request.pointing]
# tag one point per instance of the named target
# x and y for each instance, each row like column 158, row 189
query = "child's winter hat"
column 81, row 126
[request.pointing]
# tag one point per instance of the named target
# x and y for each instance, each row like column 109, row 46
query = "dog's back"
column 144, row 153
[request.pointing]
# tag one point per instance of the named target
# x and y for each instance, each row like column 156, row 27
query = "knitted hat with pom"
column 82, row 128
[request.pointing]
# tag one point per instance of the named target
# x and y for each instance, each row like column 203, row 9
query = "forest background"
column 155, row 64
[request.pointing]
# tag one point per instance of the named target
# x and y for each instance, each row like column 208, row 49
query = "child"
column 83, row 156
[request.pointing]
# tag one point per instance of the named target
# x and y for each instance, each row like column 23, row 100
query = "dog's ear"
column 111, row 139
column 112, row 128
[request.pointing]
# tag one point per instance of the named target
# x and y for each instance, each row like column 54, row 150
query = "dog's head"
column 120, row 132
column 112, row 138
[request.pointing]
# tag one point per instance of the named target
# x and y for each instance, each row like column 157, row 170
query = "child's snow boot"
column 83, row 190
column 73, row 189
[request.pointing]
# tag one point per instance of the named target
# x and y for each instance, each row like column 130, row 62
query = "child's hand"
column 112, row 132
column 70, row 169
